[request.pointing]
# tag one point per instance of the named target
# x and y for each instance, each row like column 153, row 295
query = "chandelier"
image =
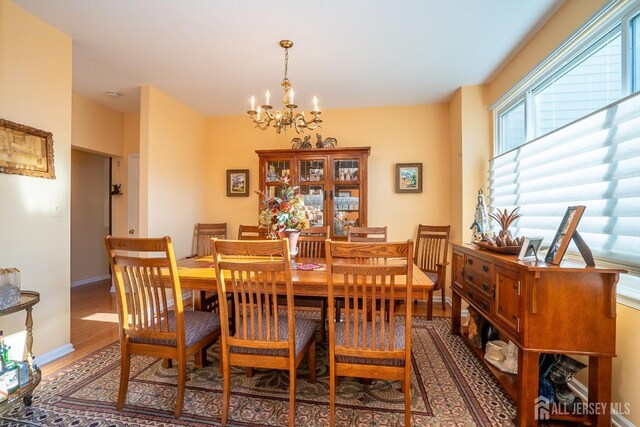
column 264, row 116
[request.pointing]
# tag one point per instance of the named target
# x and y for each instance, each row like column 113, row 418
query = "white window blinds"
column 594, row 161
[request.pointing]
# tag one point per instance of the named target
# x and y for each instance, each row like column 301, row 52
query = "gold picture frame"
column 26, row 151
column 237, row 182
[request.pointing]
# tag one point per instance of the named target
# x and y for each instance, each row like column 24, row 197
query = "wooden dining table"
column 198, row 275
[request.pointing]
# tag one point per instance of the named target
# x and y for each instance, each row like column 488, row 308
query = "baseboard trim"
column 583, row 392
column 90, row 280
column 56, row 353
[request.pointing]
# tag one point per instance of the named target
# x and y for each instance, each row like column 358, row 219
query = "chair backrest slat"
column 253, row 232
column 367, row 234
column 143, row 306
column 252, row 272
column 311, row 242
column 431, row 246
column 204, row 232
column 374, row 276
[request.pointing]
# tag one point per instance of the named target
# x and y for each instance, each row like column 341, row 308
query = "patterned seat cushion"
column 305, row 330
column 197, row 324
column 398, row 342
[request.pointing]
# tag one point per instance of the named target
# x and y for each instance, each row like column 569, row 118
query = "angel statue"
column 480, row 219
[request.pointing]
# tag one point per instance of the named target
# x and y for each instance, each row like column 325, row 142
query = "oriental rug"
column 450, row 387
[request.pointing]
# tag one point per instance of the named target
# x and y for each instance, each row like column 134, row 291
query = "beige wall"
column 96, row 128
column 405, row 134
column 89, row 216
column 172, row 168
column 573, row 14
column 35, row 90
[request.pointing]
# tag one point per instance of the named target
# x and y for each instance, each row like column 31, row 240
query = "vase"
column 293, row 240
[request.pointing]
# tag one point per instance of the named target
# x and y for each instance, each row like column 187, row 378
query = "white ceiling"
column 213, row 55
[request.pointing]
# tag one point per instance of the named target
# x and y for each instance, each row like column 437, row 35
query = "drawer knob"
column 484, row 305
column 485, row 286
column 485, row 268
column 469, row 294
column 469, row 277
column 470, row 261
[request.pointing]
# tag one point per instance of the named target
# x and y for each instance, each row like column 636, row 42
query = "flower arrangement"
column 284, row 212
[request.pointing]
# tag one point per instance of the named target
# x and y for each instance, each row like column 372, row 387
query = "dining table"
column 309, row 279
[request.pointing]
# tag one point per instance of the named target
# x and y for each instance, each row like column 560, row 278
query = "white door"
column 133, row 199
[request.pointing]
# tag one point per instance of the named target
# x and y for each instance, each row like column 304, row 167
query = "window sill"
column 629, row 291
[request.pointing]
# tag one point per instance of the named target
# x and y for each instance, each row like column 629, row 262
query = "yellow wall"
column 572, row 15
column 173, row 191
column 405, row 134
column 89, row 216
column 35, row 90
column 96, row 128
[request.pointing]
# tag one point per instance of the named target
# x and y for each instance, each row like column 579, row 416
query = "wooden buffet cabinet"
column 542, row 308
column 331, row 180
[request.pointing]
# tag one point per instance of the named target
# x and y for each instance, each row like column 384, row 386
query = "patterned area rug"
column 450, row 387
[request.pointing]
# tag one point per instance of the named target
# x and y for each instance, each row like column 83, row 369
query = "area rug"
column 450, row 387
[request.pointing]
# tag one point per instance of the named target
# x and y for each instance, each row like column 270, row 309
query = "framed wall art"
column 237, row 182
column 26, row 151
column 408, row 177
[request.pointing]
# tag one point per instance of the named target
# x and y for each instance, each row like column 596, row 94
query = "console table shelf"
column 27, row 300
column 542, row 308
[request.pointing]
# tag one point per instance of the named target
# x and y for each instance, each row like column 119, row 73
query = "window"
column 589, row 82
column 512, row 132
column 567, row 135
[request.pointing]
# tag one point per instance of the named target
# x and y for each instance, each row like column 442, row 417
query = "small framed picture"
column 408, row 177
column 564, row 234
column 530, row 248
column 237, row 182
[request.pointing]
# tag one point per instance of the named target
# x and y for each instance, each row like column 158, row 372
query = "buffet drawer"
column 475, row 296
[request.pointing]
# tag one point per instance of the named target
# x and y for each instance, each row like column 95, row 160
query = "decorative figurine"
column 116, row 189
column 299, row 144
column 480, row 220
column 327, row 143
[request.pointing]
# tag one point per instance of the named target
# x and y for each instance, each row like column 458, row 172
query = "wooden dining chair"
column 311, row 245
column 431, row 256
column 252, row 271
column 148, row 326
column 367, row 234
column 204, row 232
column 370, row 343
column 253, row 232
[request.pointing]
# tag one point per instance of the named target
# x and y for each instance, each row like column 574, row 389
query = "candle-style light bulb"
column 291, row 96
column 268, row 95
column 315, row 104
column 259, row 109
column 253, row 103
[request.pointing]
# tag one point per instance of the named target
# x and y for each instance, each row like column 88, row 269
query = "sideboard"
column 543, row 308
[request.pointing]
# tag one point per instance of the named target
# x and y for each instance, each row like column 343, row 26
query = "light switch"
column 56, row 208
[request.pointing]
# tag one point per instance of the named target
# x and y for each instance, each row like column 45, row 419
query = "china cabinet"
column 333, row 182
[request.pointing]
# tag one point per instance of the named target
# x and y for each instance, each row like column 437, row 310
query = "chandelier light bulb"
column 315, row 104
column 291, row 96
column 268, row 95
column 253, row 103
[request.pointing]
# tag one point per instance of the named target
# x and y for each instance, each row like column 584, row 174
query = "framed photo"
column 564, row 234
column 237, row 182
column 408, row 177
column 530, row 248
column 25, row 150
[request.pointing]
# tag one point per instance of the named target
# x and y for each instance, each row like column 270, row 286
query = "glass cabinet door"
column 314, row 198
column 277, row 169
column 346, row 205
column 311, row 178
column 346, row 170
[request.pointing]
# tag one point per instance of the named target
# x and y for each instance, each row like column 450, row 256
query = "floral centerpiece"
column 285, row 212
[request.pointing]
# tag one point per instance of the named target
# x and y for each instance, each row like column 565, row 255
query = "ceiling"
column 212, row 55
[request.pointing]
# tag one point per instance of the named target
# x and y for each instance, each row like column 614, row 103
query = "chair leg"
column 292, row 397
column 430, row 306
column 407, row 398
column 226, row 390
column 332, row 396
column 442, row 297
column 182, row 381
column 125, row 368
column 167, row 363
column 249, row 372
column 323, row 319
column 312, row 362
column 220, row 358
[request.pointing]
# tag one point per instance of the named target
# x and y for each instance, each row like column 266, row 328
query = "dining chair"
column 253, row 232
column 148, row 326
column 370, row 343
column 367, row 234
column 311, row 245
column 252, row 271
column 204, row 232
column 431, row 256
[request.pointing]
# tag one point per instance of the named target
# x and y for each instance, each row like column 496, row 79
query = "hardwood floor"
column 94, row 321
